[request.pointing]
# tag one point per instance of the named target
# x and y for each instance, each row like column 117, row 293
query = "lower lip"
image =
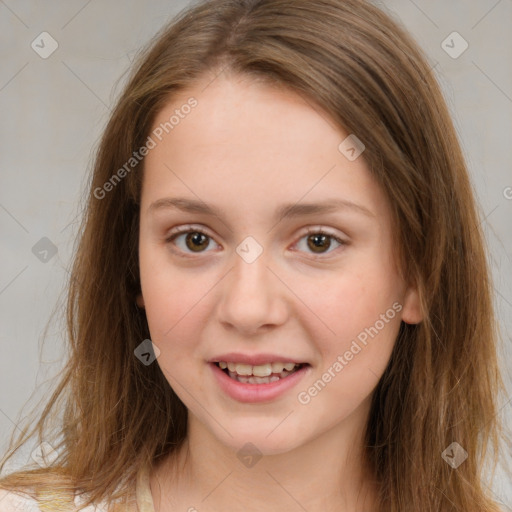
column 244, row 392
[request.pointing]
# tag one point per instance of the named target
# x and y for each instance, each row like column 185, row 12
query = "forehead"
column 253, row 140
column 234, row 109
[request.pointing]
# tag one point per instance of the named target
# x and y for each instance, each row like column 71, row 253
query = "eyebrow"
column 290, row 210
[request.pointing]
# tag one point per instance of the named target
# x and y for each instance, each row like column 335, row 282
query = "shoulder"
column 17, row 502
column 13, row 501
column 50, row 500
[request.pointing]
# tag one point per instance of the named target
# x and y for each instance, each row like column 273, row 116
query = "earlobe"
column 411, row 312
column 140, row 301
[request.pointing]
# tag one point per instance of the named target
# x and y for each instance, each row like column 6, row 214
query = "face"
column 249, row 282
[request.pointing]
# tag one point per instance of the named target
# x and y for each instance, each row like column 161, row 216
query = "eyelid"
column 321, row 229
column 316, row 229
column 184, row 228
column 326, row 231
column 187, row 228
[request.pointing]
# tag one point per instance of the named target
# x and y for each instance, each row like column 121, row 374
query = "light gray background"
column 53, row 111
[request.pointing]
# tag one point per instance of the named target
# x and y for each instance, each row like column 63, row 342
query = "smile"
column 258, row 374
column 246, row 386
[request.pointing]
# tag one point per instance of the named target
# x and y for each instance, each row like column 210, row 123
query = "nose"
column 253, row 297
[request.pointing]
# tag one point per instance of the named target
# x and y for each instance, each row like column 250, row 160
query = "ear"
column 411, row 312
column 140, row 300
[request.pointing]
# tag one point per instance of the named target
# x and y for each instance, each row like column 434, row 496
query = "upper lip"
column 254, row 359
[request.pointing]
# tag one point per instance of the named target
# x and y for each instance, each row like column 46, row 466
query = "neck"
column 323, row 474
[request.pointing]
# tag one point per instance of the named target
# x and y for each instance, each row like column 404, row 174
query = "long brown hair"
column 442, row 381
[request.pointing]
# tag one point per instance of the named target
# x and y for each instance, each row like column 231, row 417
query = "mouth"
column 260, row 374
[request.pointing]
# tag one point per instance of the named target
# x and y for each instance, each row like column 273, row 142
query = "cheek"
column 174, row 301
column 353, row 358
column 353, row 301
column 360, row 320
column 172, row 311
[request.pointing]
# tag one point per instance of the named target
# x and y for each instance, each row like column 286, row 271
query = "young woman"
column 280, row 300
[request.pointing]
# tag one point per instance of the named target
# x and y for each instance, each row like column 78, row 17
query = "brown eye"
column 319, row 242
column 190, row 241
column 196, row 241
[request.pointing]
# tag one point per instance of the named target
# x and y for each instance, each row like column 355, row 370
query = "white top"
column 16, row 502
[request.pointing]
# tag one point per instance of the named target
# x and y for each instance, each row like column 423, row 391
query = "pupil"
column 196, row 238
column 199, row 241
column 318, row 240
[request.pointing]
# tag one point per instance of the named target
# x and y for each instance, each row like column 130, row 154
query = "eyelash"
column 310, row 231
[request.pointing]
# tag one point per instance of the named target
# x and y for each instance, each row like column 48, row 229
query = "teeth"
column 254, row 380
column 278, row 367
column 262, row 370
column 258, row 380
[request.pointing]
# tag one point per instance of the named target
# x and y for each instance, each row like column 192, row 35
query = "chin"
column 258, row 440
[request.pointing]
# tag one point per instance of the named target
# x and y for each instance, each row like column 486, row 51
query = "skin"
column 248, row 148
